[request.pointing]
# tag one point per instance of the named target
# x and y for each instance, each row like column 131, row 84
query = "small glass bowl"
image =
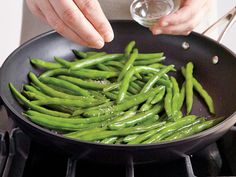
column 147, row 12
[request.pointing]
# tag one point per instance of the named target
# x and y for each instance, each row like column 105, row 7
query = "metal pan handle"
column 230, row 18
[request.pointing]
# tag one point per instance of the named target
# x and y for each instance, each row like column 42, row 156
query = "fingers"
column 74, row 18
column 82, row 21
column 183, row 21
column 35, row 10
column 56, row 23
column 188, row 10
column 93, row 12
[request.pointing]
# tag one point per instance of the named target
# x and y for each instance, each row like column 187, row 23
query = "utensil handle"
column 230, row 18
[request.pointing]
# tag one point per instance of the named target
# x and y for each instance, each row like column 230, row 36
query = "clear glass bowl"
column 147, row 12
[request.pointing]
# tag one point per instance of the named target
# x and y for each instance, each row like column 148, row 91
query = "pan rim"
column 116, row 146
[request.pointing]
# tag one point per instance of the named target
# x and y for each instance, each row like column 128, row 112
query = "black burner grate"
column 3, row 151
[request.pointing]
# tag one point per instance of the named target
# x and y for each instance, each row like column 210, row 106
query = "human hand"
column 81, row 21
column 184, row 20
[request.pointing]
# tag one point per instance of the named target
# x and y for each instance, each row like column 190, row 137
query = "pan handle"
column 230, row 18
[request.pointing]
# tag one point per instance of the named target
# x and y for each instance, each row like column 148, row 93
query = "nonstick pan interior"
column 218, row 79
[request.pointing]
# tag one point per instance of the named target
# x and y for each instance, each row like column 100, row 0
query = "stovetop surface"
column 22, row 157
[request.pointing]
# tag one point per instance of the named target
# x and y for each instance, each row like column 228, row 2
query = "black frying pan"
column 219, row 80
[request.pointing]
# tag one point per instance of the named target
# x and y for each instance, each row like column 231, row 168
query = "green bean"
column 187, row 127
column 96, row 85
column 93, row 74
column 181, row 96
column 45, row 64
column 170, row 132
column 78, row 112
column 69, row 64
column 71, row 120
column 91, row 53
column 60, row 89
column 139, row 82
column 148, row 61
column 55, row 72
column 193, row 129
column 52, row 92
column 159, row 134
column 35, row 94
column 34, row 90
column 95, row 55
column 159, row 96
column 28, row 104
column 98, row 95
column 122, row 132
column 65, row 84
column 128, row 64
column 207, row 98
column 123, row 117
column 114, row 69
column 151, row 120
column 168, row 102
column 111, row 95
column 114, row 86
column 160, row 66
column 136, row 86
column 63, row 62
column 82, row 73
column 128, row 103
column 115, row 63
column 129, row 48
column 155, row 78
column 144, row 56
column 140, row 117
column 102, row 106
column 62, row 108
column 103, row 67
column 147, row 105
column 67, row 102
column 79, row 133
column 94, row 61
column 110, row 140
column 132, row 90
column 164, row 82
column 129, row 138
column 79, row 54
column 125, row 83
column 175, row 98
column 111, row 87
column 119, row 140
column 175, row 117
column 128, row 93
column 45, row 122
column 189, row 86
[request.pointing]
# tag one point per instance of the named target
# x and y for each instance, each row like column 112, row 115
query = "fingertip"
column 99, row 44
column 156, row 31
column 164, row 21
column 164, row 24
column 108, row 36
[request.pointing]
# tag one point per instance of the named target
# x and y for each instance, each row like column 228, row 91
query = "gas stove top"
column 22, row 157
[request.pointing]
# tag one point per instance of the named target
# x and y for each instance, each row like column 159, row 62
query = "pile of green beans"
column 126, row 98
